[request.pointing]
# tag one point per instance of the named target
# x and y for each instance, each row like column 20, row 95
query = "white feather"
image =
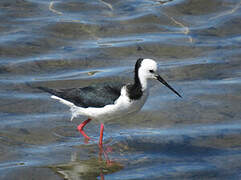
column 122, row 106
column 75, row 110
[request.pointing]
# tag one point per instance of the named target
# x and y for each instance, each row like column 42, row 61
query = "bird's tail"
column 75, row 110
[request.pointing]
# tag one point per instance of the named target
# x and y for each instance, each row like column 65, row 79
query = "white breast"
column 122, row 106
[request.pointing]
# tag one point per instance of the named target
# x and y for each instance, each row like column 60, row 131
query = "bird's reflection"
column 102, row 151
column 87, row 169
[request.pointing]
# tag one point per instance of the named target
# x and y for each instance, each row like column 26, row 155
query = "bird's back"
column 97, row 95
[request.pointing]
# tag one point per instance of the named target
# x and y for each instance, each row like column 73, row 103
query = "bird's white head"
column 147, row 69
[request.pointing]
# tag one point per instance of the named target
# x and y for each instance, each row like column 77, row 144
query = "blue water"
column 77, row 43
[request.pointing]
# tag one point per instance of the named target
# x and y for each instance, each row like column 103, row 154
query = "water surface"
column 76, row 43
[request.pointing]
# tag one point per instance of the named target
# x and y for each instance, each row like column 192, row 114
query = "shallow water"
column 76, row 43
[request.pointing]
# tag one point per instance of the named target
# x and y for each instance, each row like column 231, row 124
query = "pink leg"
column 101, row 134
column 102, row 151
column 81, row 127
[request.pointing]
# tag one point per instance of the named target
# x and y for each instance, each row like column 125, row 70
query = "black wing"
column 97, row 95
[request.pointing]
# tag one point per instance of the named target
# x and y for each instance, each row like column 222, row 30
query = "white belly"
column 122, row 107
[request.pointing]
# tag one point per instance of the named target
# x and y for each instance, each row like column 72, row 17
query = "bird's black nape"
column 137, row 66
column 135, row 90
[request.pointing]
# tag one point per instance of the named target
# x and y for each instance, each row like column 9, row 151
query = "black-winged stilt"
column 109, row 101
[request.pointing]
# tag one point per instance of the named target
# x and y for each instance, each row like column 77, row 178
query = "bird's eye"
column 151, row 71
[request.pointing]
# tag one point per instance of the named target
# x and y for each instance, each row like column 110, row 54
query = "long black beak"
column 159, row 78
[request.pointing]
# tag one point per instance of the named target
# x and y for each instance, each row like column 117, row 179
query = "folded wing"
column 97, row 95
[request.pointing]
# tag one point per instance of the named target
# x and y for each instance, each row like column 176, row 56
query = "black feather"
column 135, row 90
column 97, row 95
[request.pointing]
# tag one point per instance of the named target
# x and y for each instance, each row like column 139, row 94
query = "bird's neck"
column 141, row 81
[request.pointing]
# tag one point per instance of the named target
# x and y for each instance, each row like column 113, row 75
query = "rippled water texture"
column 75, row 43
